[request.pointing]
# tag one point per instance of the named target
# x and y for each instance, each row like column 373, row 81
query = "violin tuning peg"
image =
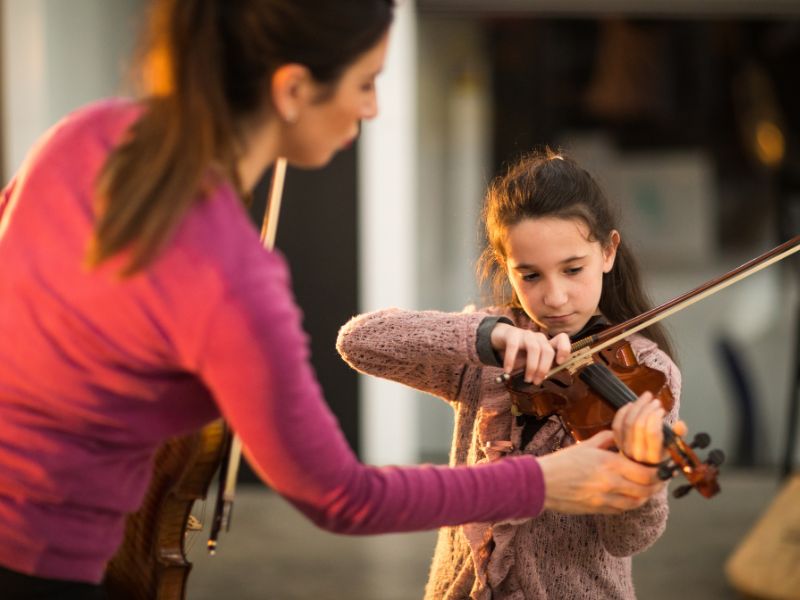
column 681, row 491
column 716, row 457
column 666, row 471
column 701, row 440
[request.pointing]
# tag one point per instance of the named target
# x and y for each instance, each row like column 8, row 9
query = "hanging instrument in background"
column 151, row 563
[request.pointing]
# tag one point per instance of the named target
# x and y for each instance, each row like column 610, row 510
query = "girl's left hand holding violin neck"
column 532, row 350
column 638, row 430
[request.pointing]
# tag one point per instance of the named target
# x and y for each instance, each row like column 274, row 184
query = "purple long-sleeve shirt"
column 96, row 371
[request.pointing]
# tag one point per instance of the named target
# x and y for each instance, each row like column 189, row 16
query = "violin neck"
column 605, row 383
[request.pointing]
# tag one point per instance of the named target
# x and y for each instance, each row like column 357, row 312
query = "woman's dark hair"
column 550, row 184
column 207, row 66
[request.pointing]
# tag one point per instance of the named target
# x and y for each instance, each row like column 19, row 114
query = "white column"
column 58, row 55
column 388, row 237
column 454, row 167
column 24, row 79
column 468, row 145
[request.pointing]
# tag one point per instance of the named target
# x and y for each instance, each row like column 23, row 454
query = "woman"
column 137, row 303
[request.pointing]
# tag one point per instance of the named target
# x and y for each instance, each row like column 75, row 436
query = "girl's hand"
column 588, row 479
column 638, row 429
column 529, row 349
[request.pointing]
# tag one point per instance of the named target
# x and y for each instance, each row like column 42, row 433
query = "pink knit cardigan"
column 552, row 556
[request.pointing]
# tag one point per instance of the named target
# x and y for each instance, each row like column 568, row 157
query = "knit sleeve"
column 427, row 350
column 254, row 358
column 636, row 530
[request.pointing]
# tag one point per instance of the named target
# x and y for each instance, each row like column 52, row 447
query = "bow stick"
column 233, row 451
column 618, row 332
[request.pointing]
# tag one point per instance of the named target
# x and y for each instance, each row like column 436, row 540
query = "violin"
column 586, row 398
column 151, row 563
column 602, row 375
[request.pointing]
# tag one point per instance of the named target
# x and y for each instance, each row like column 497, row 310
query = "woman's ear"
column 610, row 250
column 290, row 85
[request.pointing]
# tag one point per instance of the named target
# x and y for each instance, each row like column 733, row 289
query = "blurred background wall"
column 685, row 111
column 57, row 56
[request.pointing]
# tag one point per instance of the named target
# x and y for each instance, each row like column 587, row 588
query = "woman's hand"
column 529, row 349
column 586, row 478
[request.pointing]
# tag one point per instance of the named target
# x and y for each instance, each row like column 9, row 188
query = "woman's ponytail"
column 148, row 183
column 208, row 66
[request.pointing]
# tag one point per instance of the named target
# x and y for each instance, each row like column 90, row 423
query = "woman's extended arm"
column 253, row 356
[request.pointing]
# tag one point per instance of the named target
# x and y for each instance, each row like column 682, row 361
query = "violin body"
column 151, row 564
column 586, row 397
column 583, row 411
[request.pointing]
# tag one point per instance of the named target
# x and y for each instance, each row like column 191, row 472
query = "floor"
column 271, row 552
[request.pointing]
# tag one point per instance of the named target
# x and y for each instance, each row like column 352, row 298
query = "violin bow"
column 592, row 344
column 232, row 456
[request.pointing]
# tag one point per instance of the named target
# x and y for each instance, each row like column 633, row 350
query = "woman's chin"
column 311, row 162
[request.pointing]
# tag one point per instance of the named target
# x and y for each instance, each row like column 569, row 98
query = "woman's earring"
column 291, row 117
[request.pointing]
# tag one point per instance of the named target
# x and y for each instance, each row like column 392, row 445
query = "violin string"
column 603, row 381
column 613, row 382
column 615, row 390
column 623, row 390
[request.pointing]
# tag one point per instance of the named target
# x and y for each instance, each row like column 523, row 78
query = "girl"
column 137, row 303
column 559, row 266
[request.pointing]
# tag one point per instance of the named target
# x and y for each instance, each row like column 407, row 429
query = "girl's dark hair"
column 550, row 184
column 209, row 64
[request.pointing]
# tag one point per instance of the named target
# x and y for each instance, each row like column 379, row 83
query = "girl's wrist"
column 483, row 341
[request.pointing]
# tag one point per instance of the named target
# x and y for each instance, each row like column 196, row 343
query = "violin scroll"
column 701, row 475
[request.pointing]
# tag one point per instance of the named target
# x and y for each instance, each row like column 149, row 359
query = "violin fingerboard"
column 603, row 381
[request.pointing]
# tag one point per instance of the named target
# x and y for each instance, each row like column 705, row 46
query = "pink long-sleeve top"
column 96, row 371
